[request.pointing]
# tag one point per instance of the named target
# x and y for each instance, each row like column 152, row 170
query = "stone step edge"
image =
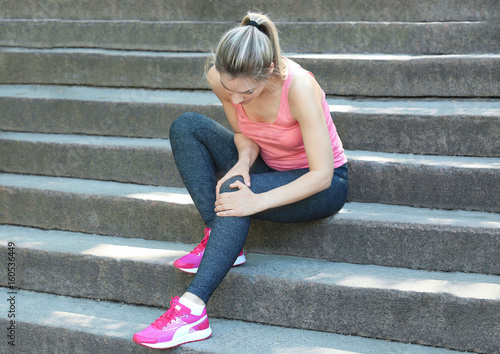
column 292, row 55
column 65, row 321
column 100, row 142
column 282, row 10
column 113, row 112
column 192, row 36
column 107, row 67
column 164, row 253
column 400, row 106
column 456, row 290
column 236, row 23
column 361, row 233
column 103, row 158
column 353, row 210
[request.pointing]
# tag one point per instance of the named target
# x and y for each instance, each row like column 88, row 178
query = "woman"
column 283, row 163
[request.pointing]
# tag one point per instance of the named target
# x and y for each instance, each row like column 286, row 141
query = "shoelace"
column 201, row 246
column 171, row 314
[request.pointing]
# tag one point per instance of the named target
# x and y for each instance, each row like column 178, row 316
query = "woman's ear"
column 271, row 68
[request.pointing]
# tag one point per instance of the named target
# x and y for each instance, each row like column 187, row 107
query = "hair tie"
column 253, row 23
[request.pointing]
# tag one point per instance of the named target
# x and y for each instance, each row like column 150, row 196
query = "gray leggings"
column 204, row 151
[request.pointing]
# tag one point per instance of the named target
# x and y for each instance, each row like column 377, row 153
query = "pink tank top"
column 281, row 145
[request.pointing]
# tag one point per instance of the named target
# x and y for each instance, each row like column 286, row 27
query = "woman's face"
column 241, row 90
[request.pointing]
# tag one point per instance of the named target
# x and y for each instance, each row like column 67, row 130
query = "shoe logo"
column 188, row 328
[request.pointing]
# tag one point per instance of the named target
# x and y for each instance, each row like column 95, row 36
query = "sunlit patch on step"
column 465, row 290
column 132, row 253
column 104, row 326
column 175, row 198
column 312, row 350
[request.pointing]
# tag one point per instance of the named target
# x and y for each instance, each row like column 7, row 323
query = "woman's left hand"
column 243, row 202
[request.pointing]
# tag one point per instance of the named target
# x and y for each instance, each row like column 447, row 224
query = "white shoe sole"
column 239, row 261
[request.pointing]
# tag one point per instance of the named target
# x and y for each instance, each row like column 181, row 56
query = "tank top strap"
column 291, row 68
column 284, row 115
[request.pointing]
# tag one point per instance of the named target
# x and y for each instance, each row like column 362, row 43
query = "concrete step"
column 66, row 324
column 361, row 233
column 463, row 37
column 137, row 160
column 420, row 126
column 425, row 181
column 378, row 302
column 339, row 74
column 283, row 10
column 451, row 182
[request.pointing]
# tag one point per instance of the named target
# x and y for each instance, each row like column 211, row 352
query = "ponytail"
column 250, row 49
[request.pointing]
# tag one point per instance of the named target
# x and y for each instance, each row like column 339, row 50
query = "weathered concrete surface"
column 101, row 111
column 137, row 211
column 284, row 10
column 445, row 309
column 405, row 75
column 145, row 161
column 435, row 127
column 103, row 68
column 450, row 182
column 426, row 181
column 420, row 126
column 360, row 233
column 310, row 37
column 338, row 74
column 55, row 331
column 331, row 297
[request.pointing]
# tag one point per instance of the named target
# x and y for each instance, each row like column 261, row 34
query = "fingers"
column 246, row 179
column 238, row 184
column 226, row 202
column 223, row 205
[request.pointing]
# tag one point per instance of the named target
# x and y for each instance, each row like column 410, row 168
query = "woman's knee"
column 185, row 122
column 225, row 186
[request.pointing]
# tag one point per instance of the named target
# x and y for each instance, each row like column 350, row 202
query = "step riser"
column 62, row 341
column 104, row 215
column 402, row 183
column 348, row 37
column 425, row 186
column 446, row 134
column 55, row 323
column 285, row 10
column 151, row 166
column 420, row 134
column 456, row 323
column 142, row 120
column 448, row 76
column 399, row 244
column 417, row 77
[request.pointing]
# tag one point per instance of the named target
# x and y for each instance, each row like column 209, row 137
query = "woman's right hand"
column 240, row 169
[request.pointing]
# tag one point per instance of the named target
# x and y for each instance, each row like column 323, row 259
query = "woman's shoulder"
column 304, row 90
column 303, row 84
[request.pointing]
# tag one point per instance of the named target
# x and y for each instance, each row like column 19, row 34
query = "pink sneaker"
column 190, row 262
column 175, row 327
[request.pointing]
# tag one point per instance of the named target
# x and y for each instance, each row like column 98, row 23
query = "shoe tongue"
column 183, row 309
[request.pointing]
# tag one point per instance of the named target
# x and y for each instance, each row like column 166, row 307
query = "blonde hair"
column 248, row 51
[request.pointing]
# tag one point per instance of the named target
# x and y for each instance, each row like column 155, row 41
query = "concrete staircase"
column 95, row 212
